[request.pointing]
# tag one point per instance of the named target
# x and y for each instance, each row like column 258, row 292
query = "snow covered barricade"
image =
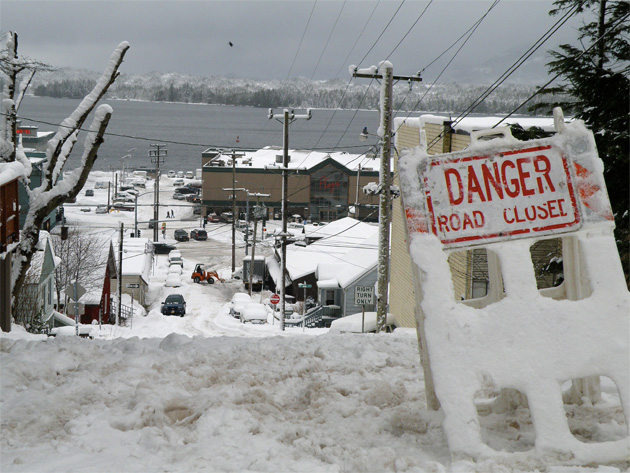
column 504, row 195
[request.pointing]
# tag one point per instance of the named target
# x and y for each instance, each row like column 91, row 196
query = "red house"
column 98, row 300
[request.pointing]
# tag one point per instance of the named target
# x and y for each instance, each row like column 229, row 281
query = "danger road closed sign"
column 500, row 196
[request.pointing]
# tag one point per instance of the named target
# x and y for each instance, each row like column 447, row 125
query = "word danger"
column 494, row 197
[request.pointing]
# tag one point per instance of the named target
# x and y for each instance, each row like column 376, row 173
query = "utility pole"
column 384, row 72
column 234, row 155
column 156, row 154
column 120, row 263
column 289, row 117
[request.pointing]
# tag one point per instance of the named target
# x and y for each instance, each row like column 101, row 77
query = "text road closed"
column 499, row 196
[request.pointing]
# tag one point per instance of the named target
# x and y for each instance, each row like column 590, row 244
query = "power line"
column 382, row 32
column 518, row 63
column 409, row 30
column 540, row 89
column 328, row 40
column 470, row 32
column 301, row 40
column 345, row 61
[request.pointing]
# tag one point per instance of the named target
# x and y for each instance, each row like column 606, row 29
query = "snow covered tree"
column 52, row 192
column 597, row 86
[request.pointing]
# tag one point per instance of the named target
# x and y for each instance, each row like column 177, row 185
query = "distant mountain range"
column 445, row 97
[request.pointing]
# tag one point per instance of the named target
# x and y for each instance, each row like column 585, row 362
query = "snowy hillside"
column 299, row 93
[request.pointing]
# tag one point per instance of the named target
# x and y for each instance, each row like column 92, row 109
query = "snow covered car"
column 255, row 313
column 173, row 280
column 174, row 305
column 175, row 257
column 175, row 269
column 101, row 209
column 353, row 323
column 171, row 173
column 239, row 300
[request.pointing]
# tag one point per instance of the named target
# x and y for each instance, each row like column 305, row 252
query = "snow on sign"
column 507, row 193
column 499, row 195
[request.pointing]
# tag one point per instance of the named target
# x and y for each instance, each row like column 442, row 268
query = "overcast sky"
column 192, row 37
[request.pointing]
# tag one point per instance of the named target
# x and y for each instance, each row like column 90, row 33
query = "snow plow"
column 199, row 275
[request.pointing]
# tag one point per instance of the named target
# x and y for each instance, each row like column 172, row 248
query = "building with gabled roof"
column 333, row 265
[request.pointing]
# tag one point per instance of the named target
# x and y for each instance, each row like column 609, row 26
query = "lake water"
column 189, row 129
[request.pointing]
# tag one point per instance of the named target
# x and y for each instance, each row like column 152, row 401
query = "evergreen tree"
column 596, row 82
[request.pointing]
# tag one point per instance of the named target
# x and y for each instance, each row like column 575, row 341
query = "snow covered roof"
column 136, row 260
column 470, row 124
column 349, row 246
column 265, row 158
column 11, row 171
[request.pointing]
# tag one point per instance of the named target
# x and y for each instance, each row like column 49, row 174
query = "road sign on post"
column 274, row 299
column 70, row 291
column 73, row 308
column 364, row 295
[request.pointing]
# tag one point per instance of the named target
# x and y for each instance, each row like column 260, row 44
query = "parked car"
column 89, row 193
column 124, row 197
column 175, row 257
column 123, row 206
column 101, row 185
column 181, row 235
column 173, row 280
column 239, row 300
column 139, row 183
column 174, row 305
column 180, row 174
column 101, row 209
column 171, row 173
column 199, row 235
column 190, row 175
column 213, row 218
column 160, row 248
column 355, row 322
column 226, row 217
column 178, row 196
column 178, row 182
column 186, row 190
column 255, row 313
column 175, row 269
